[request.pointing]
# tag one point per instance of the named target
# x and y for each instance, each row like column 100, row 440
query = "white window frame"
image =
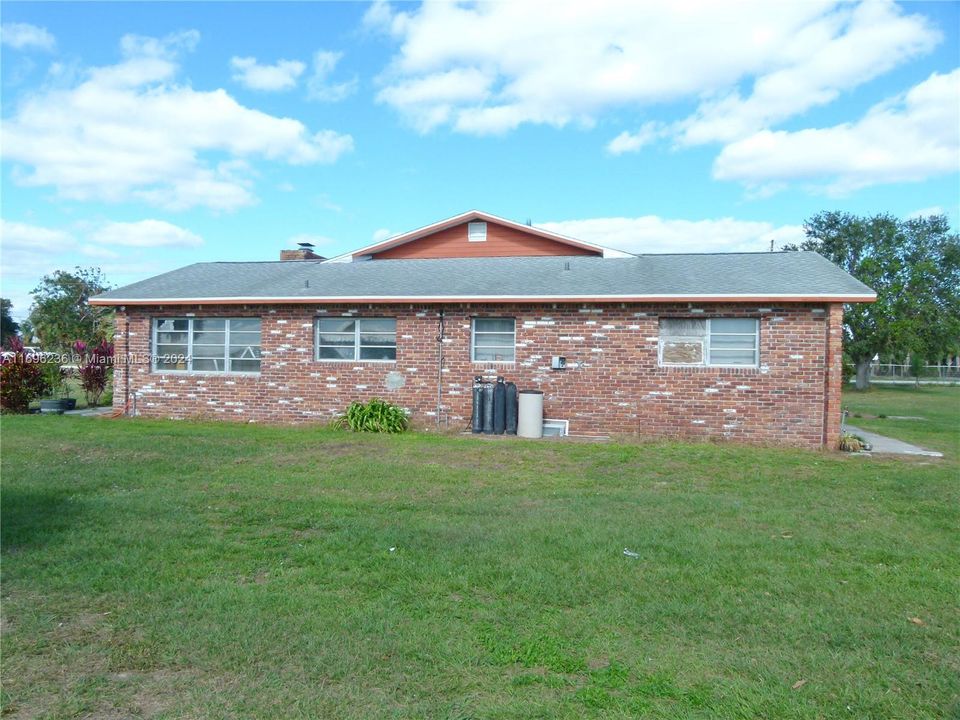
column 227, row 360
column 473, row 339
column 706, row 344
column 476, row 232
column 356, row 340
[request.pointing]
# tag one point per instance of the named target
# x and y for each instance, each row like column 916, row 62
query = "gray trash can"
column 530, row 421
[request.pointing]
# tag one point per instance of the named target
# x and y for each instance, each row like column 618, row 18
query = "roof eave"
column 520, row 299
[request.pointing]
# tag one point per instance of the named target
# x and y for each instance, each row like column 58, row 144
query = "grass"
column 937, row 407
column 173, row 569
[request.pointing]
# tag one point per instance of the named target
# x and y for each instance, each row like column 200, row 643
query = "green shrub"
column 848, row 369
column 21, row 379
column 375, row 416
column 851, row 443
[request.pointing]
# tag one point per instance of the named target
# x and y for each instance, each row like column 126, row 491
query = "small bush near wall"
column 21, row 379
column 375, row 416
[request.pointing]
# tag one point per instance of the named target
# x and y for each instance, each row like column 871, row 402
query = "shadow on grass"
column 31, row 518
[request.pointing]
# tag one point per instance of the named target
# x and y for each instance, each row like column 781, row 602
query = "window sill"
column 494, row 362
column 204, row 373
column 747, row 369
column 365, row 362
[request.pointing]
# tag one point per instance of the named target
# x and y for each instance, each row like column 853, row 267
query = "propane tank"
column 511, row 408
column 499, row 407
column 488, row 409
column 476, row 419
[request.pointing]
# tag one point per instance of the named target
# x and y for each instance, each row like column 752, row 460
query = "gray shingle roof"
column 780, row 274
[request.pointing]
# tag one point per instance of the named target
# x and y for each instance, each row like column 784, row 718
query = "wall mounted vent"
column 477, row 232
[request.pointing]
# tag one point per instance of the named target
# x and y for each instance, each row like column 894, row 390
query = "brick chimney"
column 304, row 252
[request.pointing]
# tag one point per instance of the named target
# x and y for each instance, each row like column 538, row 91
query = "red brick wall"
column 613, row 383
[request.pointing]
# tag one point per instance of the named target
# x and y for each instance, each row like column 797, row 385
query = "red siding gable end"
column 502, row 241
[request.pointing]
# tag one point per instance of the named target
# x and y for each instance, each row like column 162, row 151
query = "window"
column 494, row 340
column 476, row 232
column 711, row 342
column 341, row 338
column 206, row 345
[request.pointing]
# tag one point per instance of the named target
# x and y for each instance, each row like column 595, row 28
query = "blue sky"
column 143, row 137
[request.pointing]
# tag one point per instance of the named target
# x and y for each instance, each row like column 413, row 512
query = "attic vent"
column 476, row 232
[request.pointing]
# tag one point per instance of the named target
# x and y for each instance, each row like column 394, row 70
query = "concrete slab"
column 91, row 412
column 884, row 444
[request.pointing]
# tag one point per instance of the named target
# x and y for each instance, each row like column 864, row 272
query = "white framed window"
column 476, row 232
column 206, row 345
column 710, row 342
column 493, row 339
column 347, row 338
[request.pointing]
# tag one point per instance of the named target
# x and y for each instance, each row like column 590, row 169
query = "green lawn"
column 939, row 406
column 174, row 569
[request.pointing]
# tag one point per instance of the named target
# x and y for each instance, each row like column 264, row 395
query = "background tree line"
column 914, row 267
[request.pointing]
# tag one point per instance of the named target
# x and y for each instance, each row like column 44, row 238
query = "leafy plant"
column 95, row 362
column 21, row 378
column 851, row 443
column 53, row 377
column 375, row 416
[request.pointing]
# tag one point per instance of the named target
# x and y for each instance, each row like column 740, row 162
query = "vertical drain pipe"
column 439, row 366
column 126, row 361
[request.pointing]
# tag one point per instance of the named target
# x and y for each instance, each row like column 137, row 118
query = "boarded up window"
column 682, row 341
column 714, row 341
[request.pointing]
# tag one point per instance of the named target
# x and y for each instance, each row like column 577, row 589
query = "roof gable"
column 505, row 238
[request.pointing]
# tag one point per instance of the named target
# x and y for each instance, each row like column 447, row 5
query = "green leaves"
column 60, row 313
column 376, row 416
column 914, row 267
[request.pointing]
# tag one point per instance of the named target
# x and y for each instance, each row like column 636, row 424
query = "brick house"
column 743, row 346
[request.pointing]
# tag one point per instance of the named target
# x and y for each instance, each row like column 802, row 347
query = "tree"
column 8, row 326
column 61, row 313
column 914, row 267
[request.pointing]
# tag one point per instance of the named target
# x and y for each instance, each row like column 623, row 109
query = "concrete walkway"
column 91, row 412
column 884, row 444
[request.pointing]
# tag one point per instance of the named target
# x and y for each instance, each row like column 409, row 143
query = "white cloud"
column 27, row 252
column 130, row 132
column 486, row 68
column 18, row 235
column 632, row 142
column 101, row 253
column 654, row 234
column 24, row 36
column 319, row 86
column 382, row 234
column 282, row 75
column 905, row 139
column 144, row 234
column 838, row 52
column 926, row 212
